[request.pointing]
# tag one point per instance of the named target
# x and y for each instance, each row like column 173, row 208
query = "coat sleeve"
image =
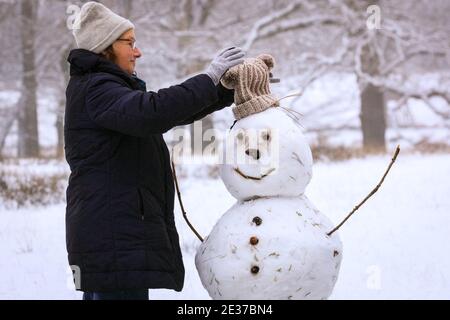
column 112, row 105
column 226, row 98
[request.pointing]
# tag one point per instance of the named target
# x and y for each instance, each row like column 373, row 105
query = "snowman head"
column 266, row 154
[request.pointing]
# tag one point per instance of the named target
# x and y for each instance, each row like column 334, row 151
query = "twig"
column 181, row 203
column 370, row 194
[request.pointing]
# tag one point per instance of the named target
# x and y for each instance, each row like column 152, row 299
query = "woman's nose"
column 137, row 53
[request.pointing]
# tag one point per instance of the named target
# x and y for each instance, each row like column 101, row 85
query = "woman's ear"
column 109, row 54
column 267, row 59
column 230, row 78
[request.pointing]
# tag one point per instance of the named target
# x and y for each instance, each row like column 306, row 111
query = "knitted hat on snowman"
column 250, row 81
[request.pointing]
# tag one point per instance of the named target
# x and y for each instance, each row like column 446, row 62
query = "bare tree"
column 376, row 56
column 28, row 140
column 194, row 16
column 61, row 105
column 187, row 24
column 179, row 38
column 9, row 71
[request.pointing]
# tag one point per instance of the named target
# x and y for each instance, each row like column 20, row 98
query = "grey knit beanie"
column 250, row 81
column 97, row 27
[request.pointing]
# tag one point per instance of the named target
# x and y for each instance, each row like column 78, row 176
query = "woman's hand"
column 224, row 60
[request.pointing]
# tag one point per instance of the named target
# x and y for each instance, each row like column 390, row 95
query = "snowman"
column 273, row 243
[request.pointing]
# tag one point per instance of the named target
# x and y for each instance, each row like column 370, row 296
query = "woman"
column 120, row 230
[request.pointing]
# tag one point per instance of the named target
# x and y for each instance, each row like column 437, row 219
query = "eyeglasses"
column 131, row 42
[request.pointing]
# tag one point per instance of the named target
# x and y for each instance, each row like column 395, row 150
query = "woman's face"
column 126, row 52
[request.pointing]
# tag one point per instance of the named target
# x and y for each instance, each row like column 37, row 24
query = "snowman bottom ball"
column 270, row 248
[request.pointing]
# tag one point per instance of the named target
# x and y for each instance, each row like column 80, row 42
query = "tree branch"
column 397, row 151
column 181, row 203
column 254, row 33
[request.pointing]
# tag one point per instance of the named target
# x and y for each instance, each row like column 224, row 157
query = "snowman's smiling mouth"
column 252, row 177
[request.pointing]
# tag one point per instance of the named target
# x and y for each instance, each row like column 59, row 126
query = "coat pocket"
column 151, row 207
column 155, row 221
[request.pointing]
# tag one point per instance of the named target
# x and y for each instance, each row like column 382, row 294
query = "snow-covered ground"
column 395, row 246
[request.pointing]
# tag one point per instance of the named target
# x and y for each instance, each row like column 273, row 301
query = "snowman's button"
column 257, row 220
column 254, row 240
column 254, row 269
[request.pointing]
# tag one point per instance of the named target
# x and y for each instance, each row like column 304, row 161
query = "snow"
column 394, row 246
column 34, row 167
column 8, row 98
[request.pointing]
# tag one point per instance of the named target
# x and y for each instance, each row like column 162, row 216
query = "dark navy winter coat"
column 120, row 228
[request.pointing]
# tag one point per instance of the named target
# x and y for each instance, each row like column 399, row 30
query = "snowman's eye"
column 265, row 136
column 240, row 136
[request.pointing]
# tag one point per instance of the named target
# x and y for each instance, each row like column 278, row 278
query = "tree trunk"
column 373, row 119
column 62, row 105
column 28, row 139
column 60, row 129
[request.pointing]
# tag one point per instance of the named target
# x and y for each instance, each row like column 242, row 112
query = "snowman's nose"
column 254, row 153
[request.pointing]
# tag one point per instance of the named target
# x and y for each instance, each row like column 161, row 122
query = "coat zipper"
column 141, row 205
